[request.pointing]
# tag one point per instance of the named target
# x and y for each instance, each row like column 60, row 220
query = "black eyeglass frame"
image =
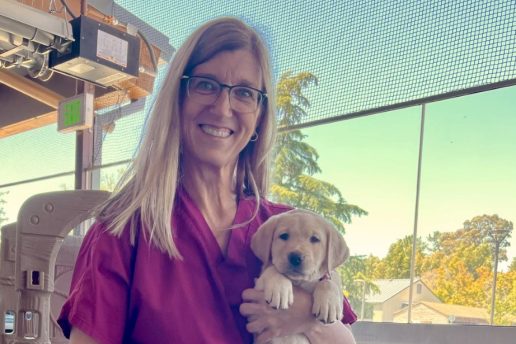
column 263, row 95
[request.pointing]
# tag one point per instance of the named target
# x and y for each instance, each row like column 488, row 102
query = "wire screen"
column 367, row 55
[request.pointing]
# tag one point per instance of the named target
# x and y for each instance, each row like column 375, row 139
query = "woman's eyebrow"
column 241, row 82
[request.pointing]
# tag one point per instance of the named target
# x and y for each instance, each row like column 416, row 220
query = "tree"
column 397, row 262
column 512, row 267
column 459, row 267
column 355, row 276
column 295, row 161
column 3, row 216
column 485, row 225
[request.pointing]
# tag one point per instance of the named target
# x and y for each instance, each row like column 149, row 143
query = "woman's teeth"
column 213, row 131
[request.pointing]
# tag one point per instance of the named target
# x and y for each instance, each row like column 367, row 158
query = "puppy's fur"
column 300, row 248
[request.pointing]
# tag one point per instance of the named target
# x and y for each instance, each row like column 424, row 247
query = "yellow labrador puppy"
column 301, row 248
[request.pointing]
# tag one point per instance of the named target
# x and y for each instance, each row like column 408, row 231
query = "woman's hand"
column 266, row 322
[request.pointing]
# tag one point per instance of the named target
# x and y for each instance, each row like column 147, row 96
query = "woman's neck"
column 213, row 191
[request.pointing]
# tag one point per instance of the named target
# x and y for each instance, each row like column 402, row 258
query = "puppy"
column 300, row 248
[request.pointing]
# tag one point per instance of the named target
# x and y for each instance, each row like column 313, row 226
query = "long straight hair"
column 144, row 198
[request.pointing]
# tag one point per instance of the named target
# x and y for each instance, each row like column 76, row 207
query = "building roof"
column 388, row 288
column 457, row 311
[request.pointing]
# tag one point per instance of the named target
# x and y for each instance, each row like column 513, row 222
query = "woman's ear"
column 261, row 243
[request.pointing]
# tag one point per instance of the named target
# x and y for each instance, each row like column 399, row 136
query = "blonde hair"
column 146, row 194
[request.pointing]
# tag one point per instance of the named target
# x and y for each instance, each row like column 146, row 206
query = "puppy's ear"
column 261, row 243
column 338, row 250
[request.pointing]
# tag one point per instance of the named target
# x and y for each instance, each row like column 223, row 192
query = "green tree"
column 512, row 267
column 3, row 216
column 485, row 225
column 295, row 162
column 397, row 262
column 355, row 277
column 505, row 308
column 459, row 267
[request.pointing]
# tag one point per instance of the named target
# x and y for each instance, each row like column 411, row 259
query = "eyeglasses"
column 206, row 91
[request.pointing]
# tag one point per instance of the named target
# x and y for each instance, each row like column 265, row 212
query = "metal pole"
column 493, row 291
column 83, row 142
column 362, row 308
column 416, row 212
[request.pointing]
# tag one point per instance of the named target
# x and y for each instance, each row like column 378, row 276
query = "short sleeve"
column 99, row 292
column 349, row 316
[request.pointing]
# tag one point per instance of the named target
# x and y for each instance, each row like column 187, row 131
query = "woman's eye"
column 284, row 236
column 205, row 85
column 314, row 239
column 243, row 92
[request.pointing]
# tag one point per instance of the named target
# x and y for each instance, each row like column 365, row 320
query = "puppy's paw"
column 279, row 293
column 277, row 289
column 327, row 306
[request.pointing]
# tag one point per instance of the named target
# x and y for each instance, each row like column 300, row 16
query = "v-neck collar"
column 235, row 251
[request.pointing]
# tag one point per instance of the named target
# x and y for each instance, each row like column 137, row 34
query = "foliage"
column 457, row 267
column 505, row 305
column 397, row 262
column 512, row 267
column 295, row 162
column 354, row 276
column 491, row 228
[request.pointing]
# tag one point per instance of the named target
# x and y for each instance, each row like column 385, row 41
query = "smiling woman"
column 214, row 132
column 171, row 249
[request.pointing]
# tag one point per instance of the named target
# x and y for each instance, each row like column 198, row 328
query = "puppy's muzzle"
column 295, row 259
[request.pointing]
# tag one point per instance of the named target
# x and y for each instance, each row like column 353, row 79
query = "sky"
column 414, row 49
column 468, row 167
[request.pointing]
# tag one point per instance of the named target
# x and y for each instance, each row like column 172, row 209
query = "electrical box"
column 100, row 53
column 75, row 113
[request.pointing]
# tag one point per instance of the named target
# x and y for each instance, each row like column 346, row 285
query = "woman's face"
column 213, row 135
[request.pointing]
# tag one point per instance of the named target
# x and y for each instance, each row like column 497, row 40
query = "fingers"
column 253, row 295
column 249, row 309
column 256, row 326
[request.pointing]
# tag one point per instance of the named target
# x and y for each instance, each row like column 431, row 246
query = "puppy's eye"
column 314, row 239
column 284, row 236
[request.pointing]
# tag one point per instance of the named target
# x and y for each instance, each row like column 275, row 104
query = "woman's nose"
column 222, row 105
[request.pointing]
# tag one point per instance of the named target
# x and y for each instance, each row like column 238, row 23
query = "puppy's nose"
column 295, row 259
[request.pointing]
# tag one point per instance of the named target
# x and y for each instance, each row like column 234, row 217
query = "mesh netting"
column 367, row 54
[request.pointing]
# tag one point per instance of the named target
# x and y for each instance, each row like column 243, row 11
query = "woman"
column 169, row 257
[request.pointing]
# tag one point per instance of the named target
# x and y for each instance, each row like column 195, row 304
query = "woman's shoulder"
column 273, row 207
column 100, row 237
column 266, row 209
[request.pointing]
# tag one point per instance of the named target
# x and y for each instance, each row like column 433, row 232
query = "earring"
column 254, row 137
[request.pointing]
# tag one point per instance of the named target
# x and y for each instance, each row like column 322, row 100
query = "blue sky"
column 439, row 46
column 468, row 167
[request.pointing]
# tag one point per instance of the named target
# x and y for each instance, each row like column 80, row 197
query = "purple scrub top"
column 137, row 294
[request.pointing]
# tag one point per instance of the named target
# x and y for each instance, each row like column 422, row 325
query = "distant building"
column 394, row 296
column 440, row 313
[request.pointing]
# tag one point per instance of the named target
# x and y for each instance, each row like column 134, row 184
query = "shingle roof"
column 388, row 288
column 458, row 311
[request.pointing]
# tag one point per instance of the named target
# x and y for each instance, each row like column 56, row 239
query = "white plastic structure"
column 43, row 223
column 7, row 289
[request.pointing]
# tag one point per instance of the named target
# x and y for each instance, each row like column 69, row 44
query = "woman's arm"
column 79, row 337
column 266, row 323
